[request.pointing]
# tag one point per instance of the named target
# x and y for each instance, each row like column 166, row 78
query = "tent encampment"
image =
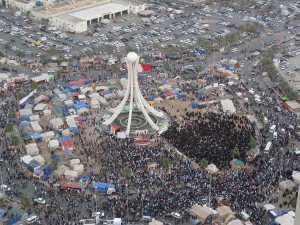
column 95, row 104
column 48, row 135
column 224, row 211
column 285, row 219
column 40, row 159
column 40, row 107
column 47, row 112
column 70, row 174
column 53, row 144
column 79, row 168
column 287, row 185
column 32, row 149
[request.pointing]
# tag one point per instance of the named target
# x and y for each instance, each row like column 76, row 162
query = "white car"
column 176, row 215
column 40, row 201
column 257, row 100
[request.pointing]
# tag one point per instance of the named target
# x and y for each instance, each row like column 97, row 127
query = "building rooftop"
column 70, row 18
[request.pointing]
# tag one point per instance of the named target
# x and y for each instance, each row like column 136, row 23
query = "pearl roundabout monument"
column 134, row 115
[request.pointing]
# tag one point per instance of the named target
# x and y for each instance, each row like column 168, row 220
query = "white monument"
column 134, row 95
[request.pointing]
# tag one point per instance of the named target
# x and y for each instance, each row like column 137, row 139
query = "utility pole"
column 1, row 176
column 127, row 203
column 297, row 216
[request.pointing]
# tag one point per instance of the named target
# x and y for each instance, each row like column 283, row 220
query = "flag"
column 144, row 67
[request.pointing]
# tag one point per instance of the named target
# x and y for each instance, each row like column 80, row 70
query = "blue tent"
column 143, row 76
column 74, row 88
column 74, row 64
column 56, row 158
column 181, row 95
column 13, row 220
column 61, row 139
column 24, row 124
column 66, row 85
column 3, row 213
column 65, row 91
column 151, row 98
column 195, row 105
column 86, row 177
column 80, row 105
column 47, row 172
column 35, row 136
column 74, row 130
column 199, row 96
column 102, row 187
column 164, row 82
column 39, row 3
column 24, row 118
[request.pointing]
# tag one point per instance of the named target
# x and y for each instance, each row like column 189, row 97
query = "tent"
column 79, row 168
column 32, row 149
column 53, row 144
column 61, row 139
column 102, row 187
column 195, row 105
column 40, row 107
column 287, row 185
column 47, row 112
column 36, row 127
column 296, row 177
column 70, row 174
column 203, row 214
column 66, row 132
column 61, row 170
column 56, row 123
column 71, row 122
column 74, row 162
column 39, row 99
column 70, row 185
column 26, row 159
column 269, row 207
column 25, row 112
column 224, row 211
column 40, row 159
column 227, row 106
column 35, row 136
column 80, row 105
column 117, row 221
column 74, row 130
column 69, row 103
column 165, row 87
column 94, row 96
column 156, row 222
column 68, row 145
column 235, row 222
column 82, row 111
column 34, row 118
column 285, row 219
column 48, row 135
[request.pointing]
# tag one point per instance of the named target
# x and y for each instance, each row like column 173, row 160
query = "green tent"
column 51, row 76
column 238, row 162
column 112, row 86
column 285, row 99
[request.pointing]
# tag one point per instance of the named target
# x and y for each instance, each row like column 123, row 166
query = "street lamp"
column 211, row 169
column 127, row 203
column 214, row 45
column 1, row 177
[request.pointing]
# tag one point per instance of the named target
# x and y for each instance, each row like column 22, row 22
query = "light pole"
column 1, row 176
column 127, row 203
column 214, row 45
column 209, row 194
column 211, row 168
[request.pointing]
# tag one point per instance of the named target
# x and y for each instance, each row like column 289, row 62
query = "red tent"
column 165, row 95
column 68, row 145
column 70, row 185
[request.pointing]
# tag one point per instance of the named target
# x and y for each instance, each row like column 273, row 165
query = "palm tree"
column 252, row 143
column 127, row 172
column 25, row 202
column 15, row 141
column 165, row 163
column 203, row 163
column 235, row 152
column 34, row 85
column 20, row 54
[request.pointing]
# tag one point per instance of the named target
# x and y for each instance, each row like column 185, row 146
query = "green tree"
column 12, row 113
column 53, row 165
column 20, row 54
column 115, row 69
column 19, row 96
column 165, row 163
column 127, row 172
column 25, row 202
column 252, row 143
column 235, row 152
column 34, row 85
column 203, row 163
column 9, row 127
column 7, row 47
column 52, row 51
column 58, row 75
column 198, row 69
column 167, row 67
column 261, row 117
column 15, row 141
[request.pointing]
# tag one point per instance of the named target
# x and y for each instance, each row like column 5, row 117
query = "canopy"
column 56, row 123
column 227, row 106
column 70, row 185
column 25, row 112
column 165, row 87
column 47, row 112
column 71, row 174
column 61, row 170
column 39, row 99
column 296, row 177
column 287, row 185
column 82, row 111
column 235, row 222
column 94, row 96
column 32, row 149
column 156, row 222
column 26, row 159
column 74, row 162
column 200, row 212
column 212, row 168
column 48, row 135
column 269, row 207
column 79, row 168
column 40, row 107
column 69, row 103
column 34, row 118
column 66, row 132
column 117, row 221
column 71, row 122
column 102, row 187
column 80, row 105
column 285, row 219
column 68, row 145
column 36, row 127
column 95, row 104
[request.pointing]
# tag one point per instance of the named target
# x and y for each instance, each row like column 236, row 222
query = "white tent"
column 95, row 104
column 287, row 184
column 71, row 121
column 36, row 127
column 101, row 88
column 70, row 174
column 53, row 144
column 32, row 149
column 227, row 106
column 79, row 168
column 66, row 132
column 285, row 219
column 212, row 168
column 40, row 159
column 47, row 112
column 86, row 90
column 269, row 207
column 103, row 101
column 82, row 111
column 224, row 211
column 124, row 83
column 39, row 99
column 158, row 100
column 69, row 103
column 48, row 135
column 61, row 170
column 34, row 118
column 296, row 177
column 165, row 87
column 26, row 159
column 156, row 222
column 117, row 221
column 201, row 213
column 56, row 123
column 40, row 107
column 74, row 162
column 94, row 96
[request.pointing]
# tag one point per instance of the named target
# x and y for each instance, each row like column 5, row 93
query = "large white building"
column 75, row 16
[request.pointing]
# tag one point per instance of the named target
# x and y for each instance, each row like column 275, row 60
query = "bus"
column 268, row 147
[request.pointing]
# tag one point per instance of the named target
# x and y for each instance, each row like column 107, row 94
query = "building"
column 75, row 16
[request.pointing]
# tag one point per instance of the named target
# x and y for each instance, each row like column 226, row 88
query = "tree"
column 7, row 47
column 115, row 69
column 198, row 69
column 252, row 143
column 58, row 75
column 127, row 172
column 20, row 54
column 19, row 96
column 203, row 163
column 261, row 117
column 15, row 141
column 34, row 85
column 52, row 51
column 235, row 152
column 25, row 202
column 165, row 163
column 9, row 127
column 12, row 113
column 53, row 165
column 167, row 67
